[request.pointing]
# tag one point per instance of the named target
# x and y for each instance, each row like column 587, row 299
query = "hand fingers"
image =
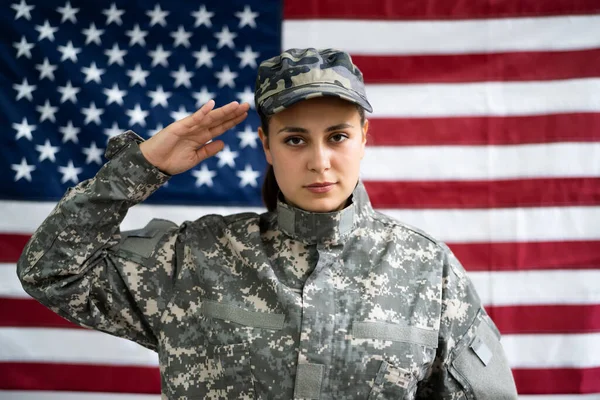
column 210, row 149
column 219, row 129
column 192, row 119
column 222, row 114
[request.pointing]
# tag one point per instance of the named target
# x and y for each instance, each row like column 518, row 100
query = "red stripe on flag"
column 576, row 127
column 29, row 313
column 11, row 246
column 556, row 319
column 454, row 68
column 557, row 380
column 522, row 256
column 430, row 10
column 79, row 378
column 129, row 379
column 484, row 194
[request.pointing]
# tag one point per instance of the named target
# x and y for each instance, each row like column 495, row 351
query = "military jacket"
column 282, row 305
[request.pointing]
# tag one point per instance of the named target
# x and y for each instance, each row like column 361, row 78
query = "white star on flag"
column 93, row 154
column 47, row 151
column 113, row 131
column 248, row 137
column 247, row 96
column 68, row 93
column 92, row 73
column 137, row 116
column 203, row 96
column 248, row 176
column 136, row 36
column 137, row 76
column 203, row 57
column 113, row 14
column 23, row 10
column 46, row 31
column 115, row 55
column 159, row 97
column 69, row 52
column 23, row 48
column 23, row 170
column 182, row 77
column 46, row 70
column 24, row 90
column 92, row 114
column 69, row 133
column 203, row 17
column 92, row 34
column 226, row 77
column 204, row 176
column 226, row 157
column 179, row 114
column 69, row 173
column 68, row 13
column 114, row 95
column 225, row 38
column 159, row 56
column 158, row 16
column 47, row 112
column 24, row 129
column 247, row 57
column 247, row 17
column 181, row 37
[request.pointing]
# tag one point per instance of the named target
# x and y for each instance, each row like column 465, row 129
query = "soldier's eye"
column 294, row 141
column 338, row 138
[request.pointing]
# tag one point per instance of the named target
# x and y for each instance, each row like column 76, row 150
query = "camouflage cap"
column 300, row 74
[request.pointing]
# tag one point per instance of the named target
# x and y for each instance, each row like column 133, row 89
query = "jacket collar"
column 312, row 227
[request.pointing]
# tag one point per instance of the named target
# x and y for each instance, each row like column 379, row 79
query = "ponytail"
column 270, row 189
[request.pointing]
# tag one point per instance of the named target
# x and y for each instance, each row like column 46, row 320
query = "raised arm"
column 81, row 266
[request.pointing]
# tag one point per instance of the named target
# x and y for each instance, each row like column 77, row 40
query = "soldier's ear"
column 264, row 139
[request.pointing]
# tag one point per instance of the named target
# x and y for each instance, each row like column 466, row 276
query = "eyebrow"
column 296, row 129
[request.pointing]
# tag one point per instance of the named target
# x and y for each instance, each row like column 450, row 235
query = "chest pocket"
column 213, row 360
column 407, row 353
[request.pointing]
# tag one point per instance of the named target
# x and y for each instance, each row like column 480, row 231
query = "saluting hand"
column 183, row 144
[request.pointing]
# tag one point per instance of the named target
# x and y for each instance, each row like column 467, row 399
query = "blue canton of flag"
column 75, row 73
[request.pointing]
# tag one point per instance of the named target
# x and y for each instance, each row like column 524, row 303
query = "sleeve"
column 82, row 267
column 470, row 362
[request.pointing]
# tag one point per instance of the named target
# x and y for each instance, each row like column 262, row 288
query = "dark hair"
column 270, row 188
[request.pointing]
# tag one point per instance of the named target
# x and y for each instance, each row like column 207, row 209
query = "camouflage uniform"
column 286, row 304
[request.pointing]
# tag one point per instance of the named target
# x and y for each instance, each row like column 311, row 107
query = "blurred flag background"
column 485, row 133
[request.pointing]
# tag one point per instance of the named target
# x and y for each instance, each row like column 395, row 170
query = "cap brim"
column 286, row 99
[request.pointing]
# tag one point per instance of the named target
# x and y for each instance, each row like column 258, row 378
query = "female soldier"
column 321, row 297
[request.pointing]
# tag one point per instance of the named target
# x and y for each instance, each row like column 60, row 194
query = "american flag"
column 485, row 133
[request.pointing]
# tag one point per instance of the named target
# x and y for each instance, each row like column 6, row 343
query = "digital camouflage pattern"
column 300, row 74
column 287, row 304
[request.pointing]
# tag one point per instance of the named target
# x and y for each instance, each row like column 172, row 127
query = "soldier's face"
column 316, row 147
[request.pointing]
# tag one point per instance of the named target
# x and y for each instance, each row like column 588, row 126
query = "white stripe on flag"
column 485, row 98
column 526, row 287
column 75, row 346
column 537, row 287
column 445, row 37
column 383, row 163
column 451, row 225
column 505, row 224
column 71, row 346
column 552, row 351
column 34, row 395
